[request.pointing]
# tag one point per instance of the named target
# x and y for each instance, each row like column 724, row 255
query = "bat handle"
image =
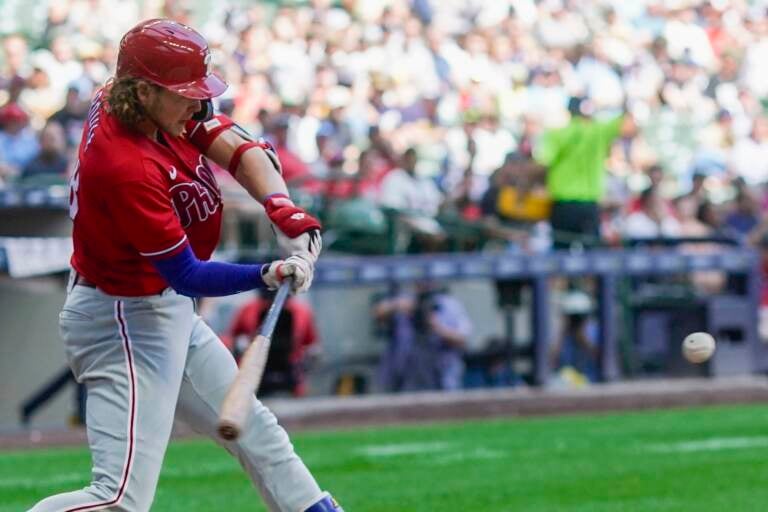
column 270, row 320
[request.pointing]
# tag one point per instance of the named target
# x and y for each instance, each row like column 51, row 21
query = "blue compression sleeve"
column 195, row 278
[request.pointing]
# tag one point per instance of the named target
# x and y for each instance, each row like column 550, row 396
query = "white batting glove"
column 307, row 245
column 300, row 270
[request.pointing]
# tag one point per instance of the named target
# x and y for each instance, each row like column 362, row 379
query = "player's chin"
column 175, row 129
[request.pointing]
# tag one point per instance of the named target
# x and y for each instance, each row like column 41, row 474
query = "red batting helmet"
column 171, row 55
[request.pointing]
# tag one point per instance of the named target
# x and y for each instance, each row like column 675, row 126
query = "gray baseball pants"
column 143, row 361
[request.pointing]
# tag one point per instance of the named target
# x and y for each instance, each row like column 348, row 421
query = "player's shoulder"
column 201, row 134
column 119, row 162
column 117, row 155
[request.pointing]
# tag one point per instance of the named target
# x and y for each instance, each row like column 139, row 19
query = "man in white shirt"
column 749, row 156
column 651, row 220
column 416, row 198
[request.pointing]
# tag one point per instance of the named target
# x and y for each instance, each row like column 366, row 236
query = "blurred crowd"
column 434, row 125
column 441, row 112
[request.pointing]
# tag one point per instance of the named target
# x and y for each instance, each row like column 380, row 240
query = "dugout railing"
column 610, row 269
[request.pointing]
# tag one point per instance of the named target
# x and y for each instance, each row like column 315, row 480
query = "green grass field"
column 707, row 459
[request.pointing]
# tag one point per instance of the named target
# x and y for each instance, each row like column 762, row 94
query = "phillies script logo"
column 195, row 201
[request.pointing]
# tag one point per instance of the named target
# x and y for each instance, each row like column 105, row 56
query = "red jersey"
column 133, row 199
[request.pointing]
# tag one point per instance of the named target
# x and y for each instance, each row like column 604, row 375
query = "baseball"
column 698, row 347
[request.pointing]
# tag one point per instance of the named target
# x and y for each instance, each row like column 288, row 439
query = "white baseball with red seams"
column 698, row 347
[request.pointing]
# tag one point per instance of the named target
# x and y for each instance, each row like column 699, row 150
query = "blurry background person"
column 18, row 141
column 295, row 172
column 743, row 215
column 749, row 156
column 429, row 331
column 707, row 282
column 575, row 159
column 652, row 219
column 294, row 342
column 71, row 116
column 416, row 199
column 51, row 162
column 516, row 199
column 576, row 348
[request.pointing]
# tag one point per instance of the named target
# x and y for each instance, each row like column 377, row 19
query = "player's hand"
column 298, row 233
column 300, row 270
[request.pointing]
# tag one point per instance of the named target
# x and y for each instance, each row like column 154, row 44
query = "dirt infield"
column 335, row 412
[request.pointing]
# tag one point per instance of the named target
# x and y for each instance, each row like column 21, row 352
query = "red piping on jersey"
column 131, row 418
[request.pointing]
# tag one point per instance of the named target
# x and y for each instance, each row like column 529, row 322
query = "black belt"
column 82, row 281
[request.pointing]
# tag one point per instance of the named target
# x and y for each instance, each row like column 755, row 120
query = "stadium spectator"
column 749, row 156
column 415, row 198
column 698, row 191
column 577, row 346
column 655, row 174
column 575, row 158
column 710, row 216
column 365, row 183
column 41, row 95
column 51, row 162
column 704, row 282
column 71, row 116
column 460, row 198
column 294, row 342
column 744, row 214
column 18, row 141
column 427, row 333
column 15, row 60
column 516, row 199
column 652, row 219
column 295, row 172
column 686, row 208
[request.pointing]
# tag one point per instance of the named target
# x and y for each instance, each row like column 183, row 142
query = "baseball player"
column 147, row 214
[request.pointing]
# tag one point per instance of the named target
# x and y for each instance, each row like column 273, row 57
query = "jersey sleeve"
column 144, row 215
column 202, row 133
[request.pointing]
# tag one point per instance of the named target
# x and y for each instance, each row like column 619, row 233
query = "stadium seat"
column 358, row 226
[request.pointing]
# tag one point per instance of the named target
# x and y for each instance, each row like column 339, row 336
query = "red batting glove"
column 298, row 233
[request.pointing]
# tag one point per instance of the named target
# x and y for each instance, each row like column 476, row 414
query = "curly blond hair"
column 122, row 98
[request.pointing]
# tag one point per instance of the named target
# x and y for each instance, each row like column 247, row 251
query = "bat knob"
column 228, row 432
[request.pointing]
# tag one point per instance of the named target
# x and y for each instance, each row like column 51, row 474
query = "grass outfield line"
column 710, row 459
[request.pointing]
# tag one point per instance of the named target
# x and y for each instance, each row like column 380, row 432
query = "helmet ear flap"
column 206, row 112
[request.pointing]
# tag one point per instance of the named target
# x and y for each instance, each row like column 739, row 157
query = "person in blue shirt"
column 18, row 142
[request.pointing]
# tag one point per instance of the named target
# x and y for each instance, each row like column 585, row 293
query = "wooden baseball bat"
column 236, row 404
